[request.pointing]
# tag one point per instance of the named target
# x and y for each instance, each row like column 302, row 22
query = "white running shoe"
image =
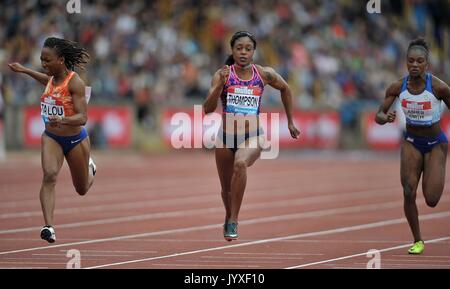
column 48, row 234
column 94, row 167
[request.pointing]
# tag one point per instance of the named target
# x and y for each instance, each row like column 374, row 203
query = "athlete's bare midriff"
column 63, row 130
column 239, row 124
column 424, row 131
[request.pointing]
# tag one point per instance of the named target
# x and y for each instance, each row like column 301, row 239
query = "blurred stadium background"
column 150, row 59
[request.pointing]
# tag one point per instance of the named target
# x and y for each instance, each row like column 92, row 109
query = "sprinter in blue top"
column 424, row 150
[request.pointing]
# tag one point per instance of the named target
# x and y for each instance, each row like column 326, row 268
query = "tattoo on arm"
column 274, row 79
column 268, row 76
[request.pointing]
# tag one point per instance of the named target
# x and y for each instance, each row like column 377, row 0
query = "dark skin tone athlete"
column 232, row 168
column 413, row 164
column 52, row 155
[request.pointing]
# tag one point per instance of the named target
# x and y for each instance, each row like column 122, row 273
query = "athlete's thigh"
column 52, row 157
column 411, row 165
column 434, row 170
column 224, row 163
column 78, row 161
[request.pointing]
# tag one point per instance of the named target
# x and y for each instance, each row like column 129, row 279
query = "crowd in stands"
column 334, row 54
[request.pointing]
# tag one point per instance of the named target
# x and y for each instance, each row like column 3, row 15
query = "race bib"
column 242, row 100
column 51, row 107
column 418, row 113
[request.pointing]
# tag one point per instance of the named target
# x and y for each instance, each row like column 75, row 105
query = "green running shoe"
column 417, row 248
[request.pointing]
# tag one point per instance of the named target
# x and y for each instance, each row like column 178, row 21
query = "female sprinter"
column 240, row 85
column 424, row 149
column 64, row 112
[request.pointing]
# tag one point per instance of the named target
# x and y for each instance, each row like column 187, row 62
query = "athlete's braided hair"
column 236, row 36
column 73, row 53
column 419, row 43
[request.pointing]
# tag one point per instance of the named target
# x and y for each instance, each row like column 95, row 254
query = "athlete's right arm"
column 383, row 116
column 41, row 77
column 218, row 81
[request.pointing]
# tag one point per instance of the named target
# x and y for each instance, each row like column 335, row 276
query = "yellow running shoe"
column 417, row 248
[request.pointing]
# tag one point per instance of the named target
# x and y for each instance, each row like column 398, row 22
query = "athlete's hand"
column 17, row 67
column 224, row 72
column 390, row 117
column 54, row 120
column 293, row 130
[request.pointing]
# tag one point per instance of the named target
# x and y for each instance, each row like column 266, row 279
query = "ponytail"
column 230, row 60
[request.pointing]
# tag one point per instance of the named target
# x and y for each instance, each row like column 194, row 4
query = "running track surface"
column 317, row 210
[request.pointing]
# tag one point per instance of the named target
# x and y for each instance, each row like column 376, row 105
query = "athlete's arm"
column 217, row 82
column 77, row 91
column 40, row 77
column 271, row 77
column 383, row 116
column 442, row 90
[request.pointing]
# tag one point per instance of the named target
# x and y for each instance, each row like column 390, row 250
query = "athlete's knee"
column 432, row 201
column 50, row 177
column 240, row 166
column 409, row 193
column 82, row 190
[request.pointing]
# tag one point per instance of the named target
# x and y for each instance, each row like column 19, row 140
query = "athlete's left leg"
column 78, row 161
column 225, row 162
column 434, row 174
column 245, row 157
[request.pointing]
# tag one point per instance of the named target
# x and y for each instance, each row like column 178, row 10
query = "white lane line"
column 346, row 267
column 304, row 235
column 271, row 254
column 134, row 191
column 135, row 187
column 23, row 267
column 417, row 261
column 86, row 254
column 33, row 239
column 252, row 257
column 428, row 217
column 32, row 263
column 422, row 256
column 163, row 191
column 230, row 261
column 193, row 212
column 404, row 265
column 183, row 200
column 331, row 241
column 134, row 218
column 206, row 265
column 114, row 251
column 310, row 214
column 115, row 207
column 62, row 258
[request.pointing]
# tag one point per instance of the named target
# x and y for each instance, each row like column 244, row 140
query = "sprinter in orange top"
column 64, row 112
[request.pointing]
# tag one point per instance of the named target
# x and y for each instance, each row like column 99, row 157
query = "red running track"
column 317, row 210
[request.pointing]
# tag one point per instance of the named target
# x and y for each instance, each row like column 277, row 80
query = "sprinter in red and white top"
column 64, row 112
column 424, row 150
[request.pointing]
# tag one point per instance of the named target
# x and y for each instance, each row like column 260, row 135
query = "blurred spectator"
column 156, row 53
